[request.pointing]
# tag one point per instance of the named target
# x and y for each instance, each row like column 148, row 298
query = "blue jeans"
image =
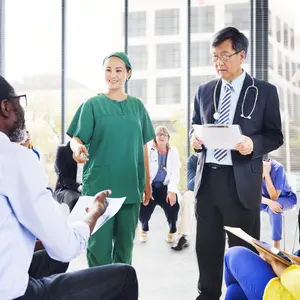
column 246, row 274
column 276, row 219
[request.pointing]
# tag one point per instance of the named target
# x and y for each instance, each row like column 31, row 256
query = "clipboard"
column 279, row 255
column 216, row 136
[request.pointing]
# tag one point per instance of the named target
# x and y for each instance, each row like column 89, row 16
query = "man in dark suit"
column 68, row 184
column 228, row 182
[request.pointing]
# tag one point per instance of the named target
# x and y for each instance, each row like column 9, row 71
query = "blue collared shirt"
column 237, row 85
column 27, row 212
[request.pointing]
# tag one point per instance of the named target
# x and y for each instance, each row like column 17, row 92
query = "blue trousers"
column 159, row 194
column 276, row 219
column 246, row 274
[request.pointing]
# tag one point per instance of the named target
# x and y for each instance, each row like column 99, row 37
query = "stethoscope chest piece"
column 216, row 116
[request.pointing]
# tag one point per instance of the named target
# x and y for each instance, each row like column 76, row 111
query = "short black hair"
column 6, row 90
column 238, row 39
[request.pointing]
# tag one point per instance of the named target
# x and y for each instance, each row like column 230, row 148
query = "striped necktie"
column 221, row 153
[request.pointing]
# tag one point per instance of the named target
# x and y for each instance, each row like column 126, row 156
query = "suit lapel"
column 237, row 115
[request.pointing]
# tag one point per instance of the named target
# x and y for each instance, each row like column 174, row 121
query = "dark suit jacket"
column 264, row 128
column 65, row 168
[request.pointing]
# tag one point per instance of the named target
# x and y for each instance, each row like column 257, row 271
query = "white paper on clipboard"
column 218, row 135
column 79, row 211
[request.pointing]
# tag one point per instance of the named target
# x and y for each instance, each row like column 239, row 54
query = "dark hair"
column 238, row 39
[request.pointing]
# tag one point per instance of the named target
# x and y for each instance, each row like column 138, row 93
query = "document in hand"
column 79, row 211
column 279, row 255
column 216, row 136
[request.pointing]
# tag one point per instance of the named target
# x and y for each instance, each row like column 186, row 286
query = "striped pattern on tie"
column 220, row 154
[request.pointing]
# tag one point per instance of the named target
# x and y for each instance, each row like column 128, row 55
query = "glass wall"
column 157, row 40
column 93, row 30
column 32, row 65
column 284, row 72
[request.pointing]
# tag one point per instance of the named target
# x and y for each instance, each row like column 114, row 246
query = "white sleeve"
column 39, row 213
column 175, row 171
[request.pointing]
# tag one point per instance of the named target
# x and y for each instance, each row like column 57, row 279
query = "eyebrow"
column 119, row 67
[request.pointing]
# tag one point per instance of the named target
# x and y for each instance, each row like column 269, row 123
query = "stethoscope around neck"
column 216, row 115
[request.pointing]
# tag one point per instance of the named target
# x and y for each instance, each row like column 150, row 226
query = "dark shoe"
column 182, row 243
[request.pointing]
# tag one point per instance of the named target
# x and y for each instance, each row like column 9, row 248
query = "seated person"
column 164, row 167
column 187, row 204
column 27, row 142
column 248, row 276
column 28, row 211
column 277, row 196
column 69, row 177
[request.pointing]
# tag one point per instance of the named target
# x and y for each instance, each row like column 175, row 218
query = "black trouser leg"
column 42, row 265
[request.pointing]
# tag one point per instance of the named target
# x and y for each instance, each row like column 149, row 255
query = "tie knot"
column 228, row 86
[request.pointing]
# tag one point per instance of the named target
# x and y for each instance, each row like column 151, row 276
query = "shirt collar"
column 237, row 83
column 4, row 137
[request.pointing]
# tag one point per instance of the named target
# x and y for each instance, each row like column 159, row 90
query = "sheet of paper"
column 240, row 233
column 79, row 211
column 217, row 136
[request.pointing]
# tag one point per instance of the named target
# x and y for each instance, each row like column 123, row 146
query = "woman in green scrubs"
column 109, row 134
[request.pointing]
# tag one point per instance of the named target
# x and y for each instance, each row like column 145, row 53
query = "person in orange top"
column 249, row 276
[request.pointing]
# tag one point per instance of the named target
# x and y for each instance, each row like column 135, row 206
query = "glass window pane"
column 237, row 15
column 202, row 19
column 33, row 66
column 138, row 57
column 168, row 56
column 88, row 43
column 137, row 24
column 138, row 88
column 168, row 90
column 167, row 21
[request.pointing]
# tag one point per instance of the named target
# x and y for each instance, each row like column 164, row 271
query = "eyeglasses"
column 22, row 99
column 161, row 134
column 224, row 57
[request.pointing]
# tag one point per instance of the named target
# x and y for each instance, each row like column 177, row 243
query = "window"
column 287, row 68
column 168, row 90
column 138, row 56
column 281, row 97
column 197, row 80
column 202, row 19
column 168, row 56
column 292, row 38
column 278, row 30
column 137, row 24
column 271, row 56
column 270, row 26
column 285, row 35
column 237, row 15
column 32, row 65
column 280, row 63
column 200, row 54
column 167, row 21
column 138, row 88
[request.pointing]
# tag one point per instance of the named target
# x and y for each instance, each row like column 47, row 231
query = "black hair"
column 238, row 39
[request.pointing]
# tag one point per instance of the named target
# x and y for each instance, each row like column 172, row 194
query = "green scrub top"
column 114, row 134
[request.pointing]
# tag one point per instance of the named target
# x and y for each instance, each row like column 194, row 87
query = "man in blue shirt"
column 28, row 212
column 277, row 196
column 187, row 206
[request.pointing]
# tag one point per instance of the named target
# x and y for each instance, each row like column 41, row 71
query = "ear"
column 5, row 108
column 129, row 73
column 243, row 55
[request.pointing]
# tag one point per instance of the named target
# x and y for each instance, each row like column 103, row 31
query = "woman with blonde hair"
column 164, row 177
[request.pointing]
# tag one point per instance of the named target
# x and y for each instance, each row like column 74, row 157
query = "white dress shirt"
column 27, row 212
column 237, row 85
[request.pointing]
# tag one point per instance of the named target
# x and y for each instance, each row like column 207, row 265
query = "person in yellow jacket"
column 249, row 276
